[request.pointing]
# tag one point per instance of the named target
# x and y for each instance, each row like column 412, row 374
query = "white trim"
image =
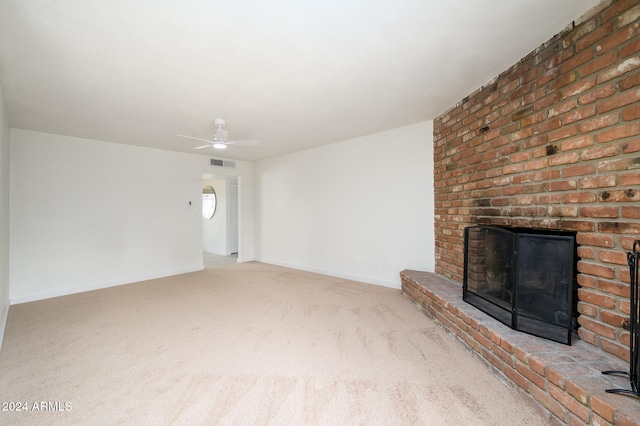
column 352, row 277
column 100, row 285
column 210, row 251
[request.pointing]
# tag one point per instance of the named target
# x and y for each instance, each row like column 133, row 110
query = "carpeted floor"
column 212, row 260
column 243, row 344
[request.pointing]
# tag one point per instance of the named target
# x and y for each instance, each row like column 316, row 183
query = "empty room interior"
column 337, row 212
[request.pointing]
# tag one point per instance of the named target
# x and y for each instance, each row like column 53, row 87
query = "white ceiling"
column 293, row 74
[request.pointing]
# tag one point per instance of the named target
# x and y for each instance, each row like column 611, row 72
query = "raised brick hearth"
column 552, row 143
column 563, row 382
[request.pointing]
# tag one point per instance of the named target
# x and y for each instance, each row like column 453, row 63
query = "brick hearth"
column 563, row 382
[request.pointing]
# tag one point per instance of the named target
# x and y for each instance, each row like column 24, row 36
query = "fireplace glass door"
column 522, row 278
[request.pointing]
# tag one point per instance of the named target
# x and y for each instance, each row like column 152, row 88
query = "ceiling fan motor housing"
column 221, row 135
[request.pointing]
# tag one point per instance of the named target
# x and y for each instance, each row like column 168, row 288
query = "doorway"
column 232, row 218
column 220, row 230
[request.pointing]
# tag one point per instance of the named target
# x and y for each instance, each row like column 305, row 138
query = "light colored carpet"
column 245, row 344
column 212, row 260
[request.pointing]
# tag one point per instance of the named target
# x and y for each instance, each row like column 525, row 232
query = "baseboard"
column 101, row 285
column 214, row 252
column 337, row 274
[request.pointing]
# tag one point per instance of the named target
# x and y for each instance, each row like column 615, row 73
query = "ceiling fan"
column 219, row 140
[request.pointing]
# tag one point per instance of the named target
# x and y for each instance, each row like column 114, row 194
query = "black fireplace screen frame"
column 522, row 278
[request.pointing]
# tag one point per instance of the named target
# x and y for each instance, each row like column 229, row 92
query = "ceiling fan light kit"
column 220, row 141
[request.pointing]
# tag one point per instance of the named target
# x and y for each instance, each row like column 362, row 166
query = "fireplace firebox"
column 523, row 278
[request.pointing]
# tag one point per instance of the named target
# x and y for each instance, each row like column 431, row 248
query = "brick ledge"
column 563, row 382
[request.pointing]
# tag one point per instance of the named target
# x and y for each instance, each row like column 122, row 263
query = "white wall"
column 88, row 214
column 360, row 209
column 214, row 230
column 246, row 226
column 4, row 218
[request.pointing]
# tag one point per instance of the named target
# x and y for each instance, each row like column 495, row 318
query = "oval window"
column 208, row 202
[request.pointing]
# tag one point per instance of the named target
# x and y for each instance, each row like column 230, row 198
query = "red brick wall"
column 553, row 143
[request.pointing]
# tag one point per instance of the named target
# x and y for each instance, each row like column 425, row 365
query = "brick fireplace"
column 553, row 144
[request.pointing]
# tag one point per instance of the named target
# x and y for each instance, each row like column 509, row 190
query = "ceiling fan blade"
column 198, row 139
column 203, row 146
column 245, row 143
